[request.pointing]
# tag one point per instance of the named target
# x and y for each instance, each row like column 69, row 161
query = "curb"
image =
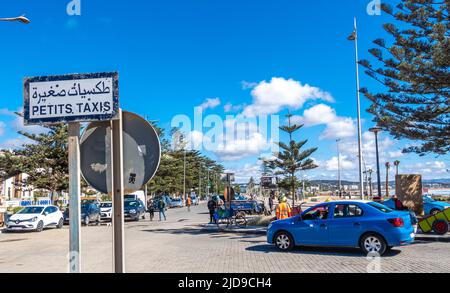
column 433, row 238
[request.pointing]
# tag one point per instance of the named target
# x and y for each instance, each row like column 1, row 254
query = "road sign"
column 227, row 177
column 269, row 181
column 70, row 98
column 141, row 153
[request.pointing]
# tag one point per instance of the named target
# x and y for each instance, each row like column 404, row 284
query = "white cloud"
column 271, row 97
column 210, row 103
column 321, row 114
column 2, row 128
column 195, row 140
column 438, row 165
column 345, row 163
column 18, row 124
column 395, row 154
column 14, row 143
column 239, row 148
column 245, row 172
column 340, row 128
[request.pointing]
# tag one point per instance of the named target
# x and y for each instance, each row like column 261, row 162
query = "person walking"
column 162, row 209
column 188, row 203
column 398, row 203
column 271, row 203
column 212, row 205
column 151, row 209
column 283, row 210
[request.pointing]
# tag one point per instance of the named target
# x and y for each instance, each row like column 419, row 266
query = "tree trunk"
column 293, row 190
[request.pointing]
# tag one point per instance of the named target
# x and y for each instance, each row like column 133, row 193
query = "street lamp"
column 396, row 163
column 375, row 130
column 370, row 182
column 388, row 166
column 354, row 37
column 21, row 19
column 339, row 166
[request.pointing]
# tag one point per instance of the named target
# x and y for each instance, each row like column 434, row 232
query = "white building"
column 15, row 188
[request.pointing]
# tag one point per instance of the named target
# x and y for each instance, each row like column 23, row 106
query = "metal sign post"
column 117, row 194
column 71, row 99
column 74, row 200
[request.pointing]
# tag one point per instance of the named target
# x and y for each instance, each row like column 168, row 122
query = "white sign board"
column 71, row 98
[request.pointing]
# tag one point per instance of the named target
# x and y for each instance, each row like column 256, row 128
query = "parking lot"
column 183, row 244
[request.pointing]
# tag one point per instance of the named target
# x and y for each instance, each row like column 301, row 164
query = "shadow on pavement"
column 212, row 234
column 190, row 231
column 340, row 251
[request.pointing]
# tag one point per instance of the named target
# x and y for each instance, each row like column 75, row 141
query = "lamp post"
column 354, row 37
column 207, row 180
column 396, row 163
column 388, row 166
column 21, row 19
column 184, row 174
column 339, row 166
column 370, row 182
column 375, row 130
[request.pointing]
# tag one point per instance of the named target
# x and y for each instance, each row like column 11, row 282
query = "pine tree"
column 415, row 72
column 45, row 159
column 292, row 159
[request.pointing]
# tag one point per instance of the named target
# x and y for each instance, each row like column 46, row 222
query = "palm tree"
column 388, row 165
column 396, row 163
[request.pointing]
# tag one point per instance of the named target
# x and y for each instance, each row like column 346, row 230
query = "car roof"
column 346, row 201
column 39, row 206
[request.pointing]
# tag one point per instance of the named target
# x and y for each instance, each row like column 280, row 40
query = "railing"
column 25, row 203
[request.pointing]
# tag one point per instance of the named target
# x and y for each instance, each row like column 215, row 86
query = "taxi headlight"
column 133, row 211
column 34, row 219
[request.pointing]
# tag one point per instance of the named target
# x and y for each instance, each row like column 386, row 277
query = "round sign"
column 141, row 153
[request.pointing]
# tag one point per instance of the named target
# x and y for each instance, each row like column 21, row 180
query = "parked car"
column 240, row 197
column 430, row 206
column 35, row 218
column 90, row 212
column 194, row 200
column 176, row 203
column 106, row 211
column 157, row 199
column 134, row 210
column 137, row 195
column 371, row 226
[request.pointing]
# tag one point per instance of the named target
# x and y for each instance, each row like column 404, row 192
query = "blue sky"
column 175, row 55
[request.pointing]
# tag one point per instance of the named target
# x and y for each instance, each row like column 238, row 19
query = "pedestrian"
column 212, row 205
column 188, row 203
column 283, row 209
column 398, row 203
column 271, row 203
column 162, row 209
column 151, row 209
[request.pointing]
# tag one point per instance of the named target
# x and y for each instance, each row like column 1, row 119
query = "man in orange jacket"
column 188, row 203
column 283, row 209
